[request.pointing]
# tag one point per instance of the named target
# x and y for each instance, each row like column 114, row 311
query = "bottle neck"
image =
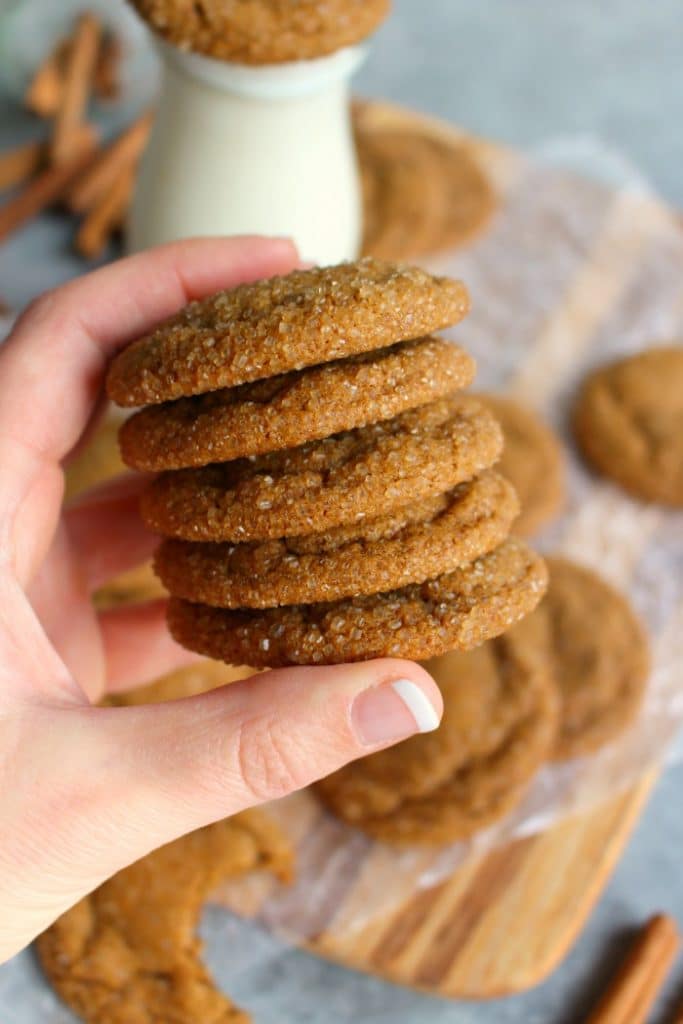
column 270, row 83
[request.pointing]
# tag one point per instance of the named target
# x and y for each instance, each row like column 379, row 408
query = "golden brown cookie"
column 628, row 421
column 598, row 654
column 263, row 31
column 458, row 610
column 532, row 461
column 404, row 194
column 285, row 411
column 354, row 475
column 420, row 194
column 185, row 682
column 501, row 711
column 411, row 545
column 286, row 323
column 128, row 952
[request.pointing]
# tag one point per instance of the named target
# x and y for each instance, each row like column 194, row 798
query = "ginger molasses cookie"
column 532, row 461
column 263, row 31
column 282, row 324
column 420, row 194
column 598, row 655
column 501, row 713
column 457, row 610
column 354, row 475
column 288, row 410
column 628, row 421
column 129, row 952
column 404, row 194
column 413, row 544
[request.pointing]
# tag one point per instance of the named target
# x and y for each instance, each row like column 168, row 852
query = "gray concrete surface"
column 524, row 71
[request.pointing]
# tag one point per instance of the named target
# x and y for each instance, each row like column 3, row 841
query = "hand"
column 86, row 790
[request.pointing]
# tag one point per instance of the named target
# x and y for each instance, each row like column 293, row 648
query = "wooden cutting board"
column 503, row 921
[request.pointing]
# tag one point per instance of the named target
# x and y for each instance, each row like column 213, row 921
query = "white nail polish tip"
column 417, row 703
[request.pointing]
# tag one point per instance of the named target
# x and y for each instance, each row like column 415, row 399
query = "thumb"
column 189, row 762
column 115, row 783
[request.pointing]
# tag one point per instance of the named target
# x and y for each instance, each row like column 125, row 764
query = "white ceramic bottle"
column 266, row 150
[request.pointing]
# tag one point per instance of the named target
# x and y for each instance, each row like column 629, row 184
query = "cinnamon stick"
column 108, row 166
column 45, row 90
column 41, row 192
column 16, row 165
column 78, row 76
column 105, row 216
column 638, row 982
column 106, row 83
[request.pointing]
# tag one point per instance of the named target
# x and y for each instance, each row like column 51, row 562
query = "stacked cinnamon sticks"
column 70, row 167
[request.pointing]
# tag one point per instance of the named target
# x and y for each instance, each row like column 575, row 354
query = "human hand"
column 86, row 790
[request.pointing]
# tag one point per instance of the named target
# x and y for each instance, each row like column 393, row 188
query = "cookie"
column 128, row 952
column 628, row 421
column 420, row 194
column 354, row 475
column 532, row 461
column 411, row 545
column 501, row 711
column 263, row 31
column 285, row 323
column 598, row 654
column 403, row 193
column 286, row 411
column 458, row 610
column 185, row 682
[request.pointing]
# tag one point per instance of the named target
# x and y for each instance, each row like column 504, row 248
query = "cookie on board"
column 500, row 718
column 628, row 421
column 129, row 952
column 599, row 657
column 421, row 194
column 532, row 461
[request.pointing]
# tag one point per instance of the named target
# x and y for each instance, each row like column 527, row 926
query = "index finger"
column 52, row 364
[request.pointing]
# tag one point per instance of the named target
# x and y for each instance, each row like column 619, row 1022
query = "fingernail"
column 391, row 712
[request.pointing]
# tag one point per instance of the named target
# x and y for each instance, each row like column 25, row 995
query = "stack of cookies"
column 325, row 491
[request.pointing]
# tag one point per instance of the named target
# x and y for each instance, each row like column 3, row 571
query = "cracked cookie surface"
column 284, row 323
column 409, row 546
column 354, row 475
column 288, row 410
column 457, row 610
